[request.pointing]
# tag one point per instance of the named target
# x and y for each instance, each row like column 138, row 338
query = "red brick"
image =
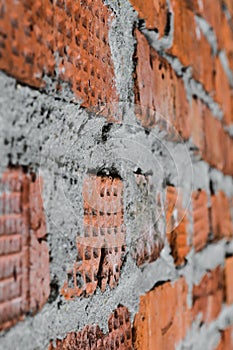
column 208, row 295
column 220, row 216
column 24, row 261
column 92, row 338
column 197, row 124
column 189, row 41
column 226, row 342
column 154, row 13
column 212, row 12
column 185, row 40
column 38, row 38
column 101, row 250
column 218, row 144
column 201, row 228
column 229, row 280
column 176, row 221
column 158, row 88
column 223, row 93
column 163, row 317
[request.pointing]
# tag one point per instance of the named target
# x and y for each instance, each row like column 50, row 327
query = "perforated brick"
column 92, row 338
column 62, row 39
column 158, row 88
column 120, row 334
column 24, row 261
column 101, row 250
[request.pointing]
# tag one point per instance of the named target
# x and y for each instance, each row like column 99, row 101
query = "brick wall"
column 116, row 188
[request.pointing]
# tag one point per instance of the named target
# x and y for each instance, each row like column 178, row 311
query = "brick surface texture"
column 92, row 338
column 24, row 258
column 101, row 250
column 64, row 40
column 164, row 316
column 98, row 271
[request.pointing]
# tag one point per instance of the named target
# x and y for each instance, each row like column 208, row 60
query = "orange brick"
column 208, row 295
column 218, row 144
column 226, row 342
column 24, row 261
column 101, row 250
column 160, row 324
column 176, row 220
column 229, row 280
column 185, row 41
column 91, row 337
column 155, row 13
column 223, row 93
column 197, row 124
column 189, row 41
column 221, row 217
column 201, row 227
column 158, row 88
column 65, row 40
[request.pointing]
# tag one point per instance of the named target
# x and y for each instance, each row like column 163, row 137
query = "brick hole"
column 79, row 280
column 70, row 280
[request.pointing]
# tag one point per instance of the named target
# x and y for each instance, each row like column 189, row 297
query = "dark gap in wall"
column 105, row 131
column 106, row 172
column 167, row 28
column 54, row 290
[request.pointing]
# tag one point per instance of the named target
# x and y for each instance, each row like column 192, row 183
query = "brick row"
column 164, row 317
column 24, row 261
column 210, row 220
column 192, row 48
column 92, row 338
column 159, row 91
column 64, row 40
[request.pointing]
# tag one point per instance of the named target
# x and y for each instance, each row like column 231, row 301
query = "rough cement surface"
column 62, row 142
column 52, row 135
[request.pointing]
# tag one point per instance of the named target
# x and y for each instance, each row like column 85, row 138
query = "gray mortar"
column 207, row 336
column 62, row 139
column 192, row 86
column 54, row 136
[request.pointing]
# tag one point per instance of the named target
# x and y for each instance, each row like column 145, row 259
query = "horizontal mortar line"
column 198, row 84
column 216, row 49
column 225, row 316
column 185, row 144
